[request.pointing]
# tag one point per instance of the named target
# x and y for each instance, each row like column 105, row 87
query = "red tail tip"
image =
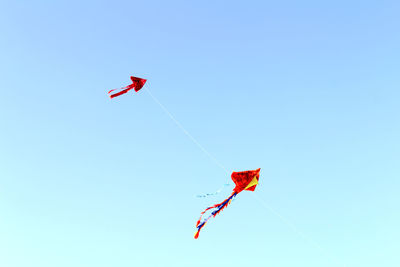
column 196, row 235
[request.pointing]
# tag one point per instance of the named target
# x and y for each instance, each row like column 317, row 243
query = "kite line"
column 295, row 229
column 262, row 202
column 186, row 132
column 246, row 180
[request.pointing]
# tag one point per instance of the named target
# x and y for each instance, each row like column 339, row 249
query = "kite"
column 137, row 84
column 246, row 180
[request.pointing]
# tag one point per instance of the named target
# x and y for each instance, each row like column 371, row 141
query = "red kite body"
column 137, row 84
column 246, row 180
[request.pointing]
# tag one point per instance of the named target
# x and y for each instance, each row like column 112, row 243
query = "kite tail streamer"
column 124, row 90
column 215, row 193
column 218, row 208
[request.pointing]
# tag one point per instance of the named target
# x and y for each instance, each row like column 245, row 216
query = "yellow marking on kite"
column 253, row 182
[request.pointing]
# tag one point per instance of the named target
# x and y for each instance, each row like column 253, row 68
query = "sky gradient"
column 308, row 91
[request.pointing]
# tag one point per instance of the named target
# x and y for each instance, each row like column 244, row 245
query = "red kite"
column 137, row 84
column 246, row 180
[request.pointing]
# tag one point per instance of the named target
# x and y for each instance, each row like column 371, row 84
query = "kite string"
column 263, row 203
column 296, row 230
column 186, row 132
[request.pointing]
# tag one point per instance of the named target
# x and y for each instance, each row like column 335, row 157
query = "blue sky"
column 308, row 91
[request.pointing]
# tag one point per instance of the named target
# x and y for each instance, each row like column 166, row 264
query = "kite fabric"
column 245, row 180
column 137, row 84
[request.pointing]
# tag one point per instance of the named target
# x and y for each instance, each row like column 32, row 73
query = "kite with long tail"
column 137, row 84
column 246, row 180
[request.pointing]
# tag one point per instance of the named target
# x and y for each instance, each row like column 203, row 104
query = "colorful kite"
column 246, row 180
column 137, row 84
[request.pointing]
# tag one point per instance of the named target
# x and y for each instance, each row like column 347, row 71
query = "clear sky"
column 308, row 91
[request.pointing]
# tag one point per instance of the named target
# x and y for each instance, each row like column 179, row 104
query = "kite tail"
column 124, row 90
column 215, row 193
column 218, row 208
